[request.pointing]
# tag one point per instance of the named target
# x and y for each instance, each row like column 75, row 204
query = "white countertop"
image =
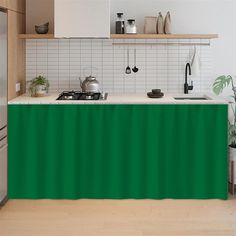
column 120, row 99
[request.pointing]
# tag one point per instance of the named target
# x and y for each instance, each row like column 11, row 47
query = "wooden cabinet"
column 73, row 18
column 16, row 46
column 16, row 53
column 16, row 5
column 38, row 12
column 3, row 3
column 82, row 18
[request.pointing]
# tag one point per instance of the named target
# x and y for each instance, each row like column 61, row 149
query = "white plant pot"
column 39, row 91
column 232, row 157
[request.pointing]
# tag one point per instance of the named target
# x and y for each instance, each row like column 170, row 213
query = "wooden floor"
column 119, row 218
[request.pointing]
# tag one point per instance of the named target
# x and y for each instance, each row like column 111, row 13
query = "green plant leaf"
column 39, row 80
column 220, row 84
column 232, row 140
column 232, row 128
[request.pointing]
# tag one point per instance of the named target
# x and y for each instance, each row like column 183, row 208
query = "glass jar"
column 131, row 27
column 120, row 24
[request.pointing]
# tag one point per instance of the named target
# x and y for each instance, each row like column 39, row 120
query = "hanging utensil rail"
column 161, row 44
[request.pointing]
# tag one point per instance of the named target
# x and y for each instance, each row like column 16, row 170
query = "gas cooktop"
column 76, row 95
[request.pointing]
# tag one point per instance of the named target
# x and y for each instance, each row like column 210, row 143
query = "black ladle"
column 128, row 70
column 135, row 69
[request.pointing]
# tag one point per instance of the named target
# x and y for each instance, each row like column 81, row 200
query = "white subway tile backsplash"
column 63, row 61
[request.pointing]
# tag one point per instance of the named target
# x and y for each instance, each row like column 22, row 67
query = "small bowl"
column 151, row 95
column 42, row 29
column 156, row 91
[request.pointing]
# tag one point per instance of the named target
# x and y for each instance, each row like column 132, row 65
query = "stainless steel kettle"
column 90, row 85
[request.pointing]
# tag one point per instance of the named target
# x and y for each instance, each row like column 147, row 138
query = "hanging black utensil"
column 135, row 69
column 128, row 69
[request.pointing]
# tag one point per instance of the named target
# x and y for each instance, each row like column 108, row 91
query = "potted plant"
column 38, row 87
column 220, row 84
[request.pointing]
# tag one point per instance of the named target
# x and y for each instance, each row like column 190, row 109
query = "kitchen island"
column 127, row 147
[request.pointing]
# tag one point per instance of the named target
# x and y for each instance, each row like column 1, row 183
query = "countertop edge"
column 118, row 100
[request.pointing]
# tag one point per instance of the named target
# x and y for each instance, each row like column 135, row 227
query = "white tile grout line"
column 47, row 58
column 145, row 66
column 135, row 77
column 179, row 77
column 157, row 65
column 36, row 57
column 69, row 64
column 80, row 59
column 168, row 82
column 91, row 57
column 124, row 66
column 58, row 82
column 113, row 68
column 102, row 64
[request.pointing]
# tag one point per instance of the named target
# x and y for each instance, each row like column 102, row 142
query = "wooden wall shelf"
column 129, row 36
column 36, row 36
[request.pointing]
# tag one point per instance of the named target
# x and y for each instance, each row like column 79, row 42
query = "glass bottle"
column 120, row 24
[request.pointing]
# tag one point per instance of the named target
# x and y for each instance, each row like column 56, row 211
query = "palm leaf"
column 232, row 140
column 220, row 83
column 232, row 128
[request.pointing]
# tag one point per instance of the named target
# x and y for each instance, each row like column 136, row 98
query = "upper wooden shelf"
column 133, row 36
column 36, row 36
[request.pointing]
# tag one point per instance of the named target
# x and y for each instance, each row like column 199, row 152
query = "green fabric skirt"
column 117, row 151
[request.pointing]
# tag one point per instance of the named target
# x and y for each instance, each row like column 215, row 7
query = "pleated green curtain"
column 117, row 151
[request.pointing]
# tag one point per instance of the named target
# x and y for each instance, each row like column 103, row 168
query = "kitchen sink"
column 191, row 98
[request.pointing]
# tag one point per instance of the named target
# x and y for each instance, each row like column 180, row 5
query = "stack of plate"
column 156, row 93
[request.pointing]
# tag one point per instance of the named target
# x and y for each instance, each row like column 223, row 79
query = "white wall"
column 192, row 16
column 188, row 16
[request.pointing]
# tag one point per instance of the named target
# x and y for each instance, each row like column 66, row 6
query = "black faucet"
column 186, row 86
